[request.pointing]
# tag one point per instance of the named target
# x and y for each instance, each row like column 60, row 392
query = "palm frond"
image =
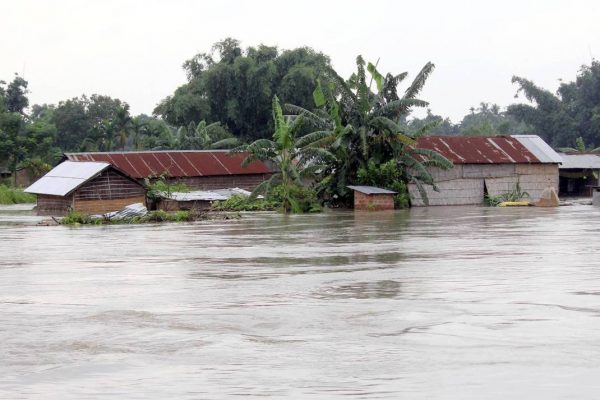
column 434, row 158
column 399, row 107
column 419, row 81
column 312, row 138
column 225, row 143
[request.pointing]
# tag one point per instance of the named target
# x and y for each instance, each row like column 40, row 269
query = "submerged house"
column 578, row 173
column 87, row 187
column 371, row 198
column 488, row 165
column 198, row 169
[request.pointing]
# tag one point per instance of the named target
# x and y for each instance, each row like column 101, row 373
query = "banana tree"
column 357, row 124
column 294, row 157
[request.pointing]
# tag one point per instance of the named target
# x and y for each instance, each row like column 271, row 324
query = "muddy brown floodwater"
column 438, row 303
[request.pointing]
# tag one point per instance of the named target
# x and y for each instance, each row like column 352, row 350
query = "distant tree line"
column 227, row 101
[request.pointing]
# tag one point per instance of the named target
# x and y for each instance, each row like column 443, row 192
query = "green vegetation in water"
column 12, row 195
column 245, row 203
column 77, row 218
column 160, row 186
column 301, row 200
column 516, row 194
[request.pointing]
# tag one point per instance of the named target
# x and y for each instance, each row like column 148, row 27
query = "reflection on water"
column 462, row 302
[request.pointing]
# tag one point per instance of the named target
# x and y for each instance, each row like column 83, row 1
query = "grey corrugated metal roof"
column 540, row 149
column 66, row 177
column 200, row 195
column 207, row 195
column 371, row 190
column 579, row 161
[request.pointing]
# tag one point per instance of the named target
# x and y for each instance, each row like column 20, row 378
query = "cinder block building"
column 488, row 165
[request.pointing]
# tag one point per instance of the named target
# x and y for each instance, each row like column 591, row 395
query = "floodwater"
column 438, row 303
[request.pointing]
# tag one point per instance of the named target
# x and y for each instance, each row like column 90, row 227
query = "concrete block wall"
column 464, row 184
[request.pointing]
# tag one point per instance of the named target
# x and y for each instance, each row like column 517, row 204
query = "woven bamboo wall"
column 105, row 205
column 109, row 185
column 53, row 205
column 246, row 182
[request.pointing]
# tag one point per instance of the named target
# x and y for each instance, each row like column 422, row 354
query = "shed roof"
column 371, row 190
column 539, row 148
column 580, row 161
column 175, row 163
column 525, row 149
column 66, row 177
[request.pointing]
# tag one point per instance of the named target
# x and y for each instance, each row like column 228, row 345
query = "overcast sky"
column 133, row 50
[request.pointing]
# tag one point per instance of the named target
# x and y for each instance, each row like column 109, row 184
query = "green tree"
column 99, row 122
column 203, row 136
column 580, row 147
column 358, row 125
column 292, row 155
column 21, row 137
column 235, row 86
column 15, row 96
column 561, row 118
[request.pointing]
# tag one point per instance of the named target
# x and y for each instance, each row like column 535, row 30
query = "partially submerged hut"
column 87, row 187
column 490, row 165
column 199, row 200
column 372, row 198
column 198, row 169
column 578, row 174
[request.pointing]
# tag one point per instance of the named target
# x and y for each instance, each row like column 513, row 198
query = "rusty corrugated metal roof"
column 175, row 163
column 479, row 149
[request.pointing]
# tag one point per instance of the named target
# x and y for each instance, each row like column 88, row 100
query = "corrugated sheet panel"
column 479, row 149
column 579, row 161
column 175, row 164
column 66, row 177
column 371, row 190
column 539, row 148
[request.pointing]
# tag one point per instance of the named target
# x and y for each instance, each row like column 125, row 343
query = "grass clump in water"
column 12, row 195
column 77, row 218
column 246, row 203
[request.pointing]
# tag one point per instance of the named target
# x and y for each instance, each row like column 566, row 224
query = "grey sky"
column 133, row 50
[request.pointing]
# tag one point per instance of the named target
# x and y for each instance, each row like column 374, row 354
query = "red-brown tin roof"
column 479, row 149
column 176, row 163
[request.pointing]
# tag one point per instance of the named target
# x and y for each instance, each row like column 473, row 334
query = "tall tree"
column 235, row 86
column 574, row 111
column 359, row 125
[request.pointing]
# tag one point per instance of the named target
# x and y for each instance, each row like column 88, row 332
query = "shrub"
column 387, row 176
column 245, row 203
column 182, row 216
column 160, row 186
column 11, row 195
column 302, row 199
column 75, row 217
column 157, row 216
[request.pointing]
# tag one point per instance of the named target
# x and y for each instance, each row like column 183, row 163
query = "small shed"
column 198, row 169
column 578, row 174
column 372, row 198
column 87, row 187
column 488, row 165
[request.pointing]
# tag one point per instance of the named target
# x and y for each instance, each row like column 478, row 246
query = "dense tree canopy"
column 235, row 86
column 574, row 111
